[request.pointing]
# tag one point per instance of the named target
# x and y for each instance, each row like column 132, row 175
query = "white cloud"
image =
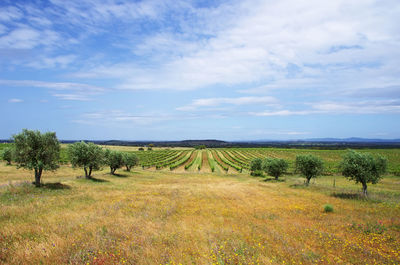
column 76, row 91
column 119, row 117
column 75, row 97
column 259, row 41
column 15, row 100
column 212, row 102
column 10, row 13
column 359, row 107
column 52, row 62
column 3, row 29
column 27, row 38
column 330, row 107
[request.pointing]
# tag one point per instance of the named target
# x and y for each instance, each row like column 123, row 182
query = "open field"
column 182, row 216
column 235, row 160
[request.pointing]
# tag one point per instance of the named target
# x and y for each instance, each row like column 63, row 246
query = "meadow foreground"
column 160, row 217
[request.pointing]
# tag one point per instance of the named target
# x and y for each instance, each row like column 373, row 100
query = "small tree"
column 114, row 159
column 275, row 167
column 130, row 160
column 86, row 155
column 363, row 168
column 37, row 151
column 256, row 167
column 7, row 155
column 150, row 147
column 309, row 166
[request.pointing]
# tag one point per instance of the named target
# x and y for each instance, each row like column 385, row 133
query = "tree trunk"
column 308, row 181
column 128, row 168
column 276, row 177
column 38, row 175
column 86, row 173
column 365, row 193
column 112, row 170
column 90, row 172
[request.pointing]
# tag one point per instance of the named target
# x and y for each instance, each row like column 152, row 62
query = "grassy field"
column 166, row 217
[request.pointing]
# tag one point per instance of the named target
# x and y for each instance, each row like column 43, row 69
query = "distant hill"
column 316, row 143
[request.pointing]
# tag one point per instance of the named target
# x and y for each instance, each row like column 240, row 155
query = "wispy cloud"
column 248, row 51
column 329, row 107
column 61, row 61
column 219, row 61
column 15, row 100
column 77, row 91
column 27, row 38
column 213, row 102
column 119, row 117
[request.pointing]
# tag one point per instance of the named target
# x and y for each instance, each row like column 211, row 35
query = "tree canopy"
column 363, row 168
column 37, row 151
column 114, row 159
column 275, row 167
column 7, row 155
column 256, row 166
column 130, row 160
column 309, row 166
column 86, row 155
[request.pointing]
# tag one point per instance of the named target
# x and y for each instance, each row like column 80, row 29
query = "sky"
column 186, row 69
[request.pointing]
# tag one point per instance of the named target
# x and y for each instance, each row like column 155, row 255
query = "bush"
column 141, row 149
column 114, row 159
column 7, row 155
column 130, row 160
column 363, row 168
column 328, row 208
column 86, row 155
column 256, row 167
column 370, row 228
column 275, row 167
column 37, row 151
column 309, row 166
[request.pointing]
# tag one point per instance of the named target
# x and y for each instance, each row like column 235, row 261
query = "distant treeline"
column 326, row 145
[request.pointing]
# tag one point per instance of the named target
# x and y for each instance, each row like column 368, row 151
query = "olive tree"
column 7, row 155
column 86, row 155
column 363, row 168
column 37, row 151
column 114, row 159
column 309, row 166
column 275, row 167
column 130, row 160
column 256, row 167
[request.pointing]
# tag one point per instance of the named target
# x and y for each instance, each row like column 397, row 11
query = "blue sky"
column 174, row 70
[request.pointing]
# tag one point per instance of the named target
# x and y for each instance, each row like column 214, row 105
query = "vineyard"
column 237, row 160
column 198, row 206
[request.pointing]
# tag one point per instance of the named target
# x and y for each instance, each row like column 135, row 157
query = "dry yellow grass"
column 160, row 217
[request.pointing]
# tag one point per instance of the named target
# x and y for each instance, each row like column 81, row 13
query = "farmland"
column 186, row 206
column 236, row 160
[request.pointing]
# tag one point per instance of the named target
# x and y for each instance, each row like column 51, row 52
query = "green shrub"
column 275, row 167
column 86, row 155
column 7, row 155
column 309, row 166
column 256, row 167
column 363, row 168
column 370, row 228
column 328, row 208
column 114, row 159
column 37, row 151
